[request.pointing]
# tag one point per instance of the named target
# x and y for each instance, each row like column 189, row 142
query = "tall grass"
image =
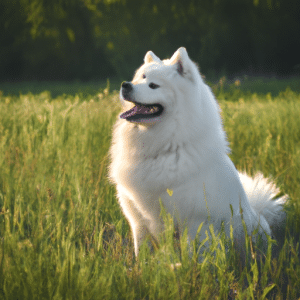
column 63, row 236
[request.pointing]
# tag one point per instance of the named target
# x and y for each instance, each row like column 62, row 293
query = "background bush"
column 93, row 39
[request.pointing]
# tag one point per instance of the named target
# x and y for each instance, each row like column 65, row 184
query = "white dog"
column 170, row 138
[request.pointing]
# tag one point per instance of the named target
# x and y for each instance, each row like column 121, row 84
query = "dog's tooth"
column 153, row 109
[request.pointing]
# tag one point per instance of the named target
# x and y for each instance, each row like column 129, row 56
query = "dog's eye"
column 144, row 76
column 153, row 86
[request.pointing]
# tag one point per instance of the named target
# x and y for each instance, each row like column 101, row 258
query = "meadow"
column 63, row 235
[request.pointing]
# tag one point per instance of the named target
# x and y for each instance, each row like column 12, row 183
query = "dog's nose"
column 127, row 86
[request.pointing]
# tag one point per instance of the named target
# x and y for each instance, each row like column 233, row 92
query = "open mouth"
column 142, row 112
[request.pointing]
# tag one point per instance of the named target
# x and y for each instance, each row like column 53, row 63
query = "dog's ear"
column 151, row 57
column 182, row 61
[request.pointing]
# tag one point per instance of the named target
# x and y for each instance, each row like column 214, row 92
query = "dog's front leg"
column 136, row 221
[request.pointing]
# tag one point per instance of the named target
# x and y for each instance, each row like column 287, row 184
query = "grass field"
column 63, row 236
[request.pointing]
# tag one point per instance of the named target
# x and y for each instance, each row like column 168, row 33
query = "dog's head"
column 151, row 95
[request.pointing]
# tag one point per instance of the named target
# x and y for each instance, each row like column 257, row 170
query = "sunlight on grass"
column 63, row 236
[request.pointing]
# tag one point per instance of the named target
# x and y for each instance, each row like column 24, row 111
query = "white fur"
column 184, row 150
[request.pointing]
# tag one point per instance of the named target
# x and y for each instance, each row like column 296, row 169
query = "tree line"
column 99, row 39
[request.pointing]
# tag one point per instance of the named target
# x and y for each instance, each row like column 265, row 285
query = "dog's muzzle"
column 127, row 88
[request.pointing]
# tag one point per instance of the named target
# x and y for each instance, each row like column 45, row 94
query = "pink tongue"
column 135, row 110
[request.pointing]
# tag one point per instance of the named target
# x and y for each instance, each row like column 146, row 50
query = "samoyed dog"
column 169, row 147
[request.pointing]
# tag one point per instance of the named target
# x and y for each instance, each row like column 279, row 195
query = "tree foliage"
column 83, row 39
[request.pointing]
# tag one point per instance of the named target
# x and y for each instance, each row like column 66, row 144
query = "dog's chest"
column 144, row 174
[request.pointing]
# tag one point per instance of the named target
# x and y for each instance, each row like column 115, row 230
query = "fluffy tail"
column 264, row 199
